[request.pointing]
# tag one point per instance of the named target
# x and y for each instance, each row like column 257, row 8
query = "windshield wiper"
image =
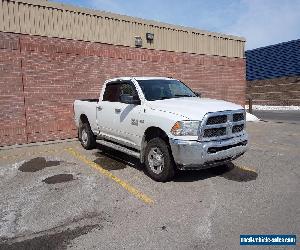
column 160, row 98
column 184, row 95
column 164, row 97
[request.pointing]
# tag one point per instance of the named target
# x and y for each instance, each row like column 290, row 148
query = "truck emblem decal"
column 134, row 122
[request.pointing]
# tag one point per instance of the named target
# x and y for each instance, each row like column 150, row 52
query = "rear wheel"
column 86, row 136
column 158, row 160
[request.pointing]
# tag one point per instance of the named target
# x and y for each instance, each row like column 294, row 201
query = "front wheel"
column 87, row 137
column 158, row 160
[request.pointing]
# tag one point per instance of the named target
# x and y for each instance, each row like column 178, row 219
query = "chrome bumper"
column 200, row 155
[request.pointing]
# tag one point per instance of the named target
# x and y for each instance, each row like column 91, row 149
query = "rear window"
column 112, row 93
column 114, row 90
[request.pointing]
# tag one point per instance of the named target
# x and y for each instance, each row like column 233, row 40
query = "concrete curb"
column 36, row 144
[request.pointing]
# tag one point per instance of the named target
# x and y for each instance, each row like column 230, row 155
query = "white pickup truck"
column 163, row 123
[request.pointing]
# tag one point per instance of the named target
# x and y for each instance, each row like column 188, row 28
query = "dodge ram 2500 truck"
column 162, row 122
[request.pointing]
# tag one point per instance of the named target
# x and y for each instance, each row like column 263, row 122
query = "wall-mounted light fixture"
column 138, row 41
column 149, row 37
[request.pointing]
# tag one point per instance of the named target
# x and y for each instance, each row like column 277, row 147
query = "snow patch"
column 251, row 118
column 263, row 107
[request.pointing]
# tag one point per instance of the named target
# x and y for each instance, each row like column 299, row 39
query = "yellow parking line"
column 247, row 169
column 108, row 174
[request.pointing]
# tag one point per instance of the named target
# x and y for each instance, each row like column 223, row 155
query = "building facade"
column 273, row 74
column 52, row 54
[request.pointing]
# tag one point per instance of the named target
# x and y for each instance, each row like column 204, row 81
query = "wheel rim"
column 156, row 160
column 84, row 137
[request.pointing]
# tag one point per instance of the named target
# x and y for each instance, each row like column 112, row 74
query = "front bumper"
column 200, row 155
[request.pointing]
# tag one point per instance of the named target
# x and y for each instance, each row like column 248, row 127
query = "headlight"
column 182, row 128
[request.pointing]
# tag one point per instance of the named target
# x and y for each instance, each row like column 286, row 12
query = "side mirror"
column 198, row 94
column 129, row 99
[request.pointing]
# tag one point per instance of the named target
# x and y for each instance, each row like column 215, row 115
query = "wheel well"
column 150, row 133
column 83, row 119
column 154, row 132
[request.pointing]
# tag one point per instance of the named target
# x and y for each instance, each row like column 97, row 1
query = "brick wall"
column 40, row 78
column 12, row 115
column 278, row 91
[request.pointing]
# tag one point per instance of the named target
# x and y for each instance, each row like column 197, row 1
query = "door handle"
column 117, row 110
column 99, row 108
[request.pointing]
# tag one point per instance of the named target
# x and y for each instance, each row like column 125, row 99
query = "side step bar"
column 119, row 148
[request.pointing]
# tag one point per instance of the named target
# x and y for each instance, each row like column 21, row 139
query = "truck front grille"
column 237, row 128
column 213, row 132
column 216, row 119
column 238, row 117
column 221, row 125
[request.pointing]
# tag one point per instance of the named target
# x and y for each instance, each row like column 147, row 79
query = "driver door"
column 129, row 117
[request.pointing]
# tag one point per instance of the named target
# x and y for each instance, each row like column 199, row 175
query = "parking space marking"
column 246, row 168
column 138, row 194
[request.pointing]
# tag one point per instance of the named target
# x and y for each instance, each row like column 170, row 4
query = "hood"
column 192, row 108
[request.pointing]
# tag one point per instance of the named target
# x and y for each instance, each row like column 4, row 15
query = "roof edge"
column 62, row 6
column 273, row 45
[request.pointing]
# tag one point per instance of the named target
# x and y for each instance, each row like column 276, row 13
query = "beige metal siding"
column 38, row 17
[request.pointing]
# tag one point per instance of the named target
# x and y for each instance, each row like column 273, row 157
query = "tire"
column 159, row 161
column 86, row 136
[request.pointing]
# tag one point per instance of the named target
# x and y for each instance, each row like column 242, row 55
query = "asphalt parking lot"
column 279, row 116
column 59, row 196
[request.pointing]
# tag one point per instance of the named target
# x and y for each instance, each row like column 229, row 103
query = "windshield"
column 159, row 89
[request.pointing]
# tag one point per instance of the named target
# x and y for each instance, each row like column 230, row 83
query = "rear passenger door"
column 107, row 112
column 119, row 121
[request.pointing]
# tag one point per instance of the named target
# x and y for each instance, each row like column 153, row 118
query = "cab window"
column 115, row 89
column 112, row 92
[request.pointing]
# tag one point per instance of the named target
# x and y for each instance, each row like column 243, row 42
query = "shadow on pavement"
column 228, row 171
column 111, row 159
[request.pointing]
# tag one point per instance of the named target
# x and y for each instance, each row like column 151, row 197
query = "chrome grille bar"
column 214, row 124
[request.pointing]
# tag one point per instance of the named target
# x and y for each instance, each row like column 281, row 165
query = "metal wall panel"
column 39, row 17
